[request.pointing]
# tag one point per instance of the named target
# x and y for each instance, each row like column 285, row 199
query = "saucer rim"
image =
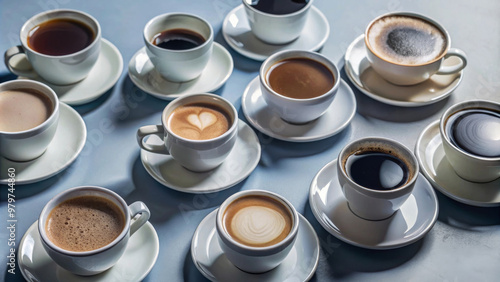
column 339, row 236
column 302, row 220
column 34, row 227
column 239, row 179
column 299, row 139
column 169, row 97
column 387, row 101
column 420, row 142
column 81, row 141
column 260, row 57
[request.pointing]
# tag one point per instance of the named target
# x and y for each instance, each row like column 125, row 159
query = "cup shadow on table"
column 189, row 270
column 89, row 107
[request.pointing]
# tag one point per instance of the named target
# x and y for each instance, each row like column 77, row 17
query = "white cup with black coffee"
column 85, row 230
column 377, row 175
column 298, row 85
column 277, row 21
column 407, row 48
column 256, row 229
column 470, row 132
column 179, row 45
column 61, row 46
column 198, row 131
column 29, row 115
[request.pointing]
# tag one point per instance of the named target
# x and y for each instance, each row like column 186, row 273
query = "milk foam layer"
column 199, row 121
column 257, row 225
column 406, row 40
column 23, row 109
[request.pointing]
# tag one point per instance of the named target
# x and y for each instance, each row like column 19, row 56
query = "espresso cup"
column 470, row 132
column 408, row 48
column 303, row 96
column 179, row 45
column 56, row 60
column 29, row 114
column 377, row 175
column 252, row 250
column 198, row 131
column 85, row 230
column 279, row 22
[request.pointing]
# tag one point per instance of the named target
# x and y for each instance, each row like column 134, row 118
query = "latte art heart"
column 257, row 225
column 203, row 120
column 200, row 121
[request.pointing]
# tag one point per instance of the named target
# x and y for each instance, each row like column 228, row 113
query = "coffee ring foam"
column 257, row 225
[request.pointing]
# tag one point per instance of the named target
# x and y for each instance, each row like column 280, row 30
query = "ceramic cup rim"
column 62, row 196
column 411, row 15
column 302, row 10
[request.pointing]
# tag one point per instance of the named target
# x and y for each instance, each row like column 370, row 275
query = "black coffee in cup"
column 178, row 39
column 278, row 7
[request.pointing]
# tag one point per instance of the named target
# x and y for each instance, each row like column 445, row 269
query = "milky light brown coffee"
column 406, row 40
column 23, row 109
column 84, row 223
column 257, row 221
column 199, row 121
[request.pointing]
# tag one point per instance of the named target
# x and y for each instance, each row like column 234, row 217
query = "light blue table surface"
column 464, row 244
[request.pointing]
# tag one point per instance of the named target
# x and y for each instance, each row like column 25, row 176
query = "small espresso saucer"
column 208, row 257
column 238, row 165
column 135, row 264
column 142, row 72
column 435, row 166
column 415, row 218
column 363, row 76
column 67, row 144
column 102, row 77
column 337, row 117
column 237, row 33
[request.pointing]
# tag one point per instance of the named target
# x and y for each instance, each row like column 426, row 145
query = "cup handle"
column 135, row 209
column 455, row 68
column 151, row 130
column 27, row 71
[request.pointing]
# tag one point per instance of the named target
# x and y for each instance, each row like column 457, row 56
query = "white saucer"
column 415, row 218
column 337, row 117
column 67, row 144
column 238, row 165
column 435, row 166
column 143, row 74
column 137, row 261
column 208, row 257
column 363, row 76
column 102, row 77
column 237, row 33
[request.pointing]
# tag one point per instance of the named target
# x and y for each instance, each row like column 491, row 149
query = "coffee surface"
column 199, row 121
column 257, row 221
column 23, row 109
column 406, row 40
column 178, row 39
column 476, row 131
column 60, row 37
column 84, row 223
column 300, row 78
column 377, row 170
column 278, row 7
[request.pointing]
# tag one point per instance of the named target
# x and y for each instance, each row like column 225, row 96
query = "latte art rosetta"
column 257, row 225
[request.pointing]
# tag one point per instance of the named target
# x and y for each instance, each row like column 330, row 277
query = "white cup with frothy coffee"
column 256, row 229
column 407, row 48
column 198, row 131
column 85, row 230
column 29, row 115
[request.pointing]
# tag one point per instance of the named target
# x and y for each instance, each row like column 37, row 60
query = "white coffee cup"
column 179, row 65
column 370, row 203
column 410, row 74
column 297, row 110
column 64, row 69
column 256, row 259
column 195, row 155
column 467, row 165
column 95, row 261
column 274, row 28
column 29, row 144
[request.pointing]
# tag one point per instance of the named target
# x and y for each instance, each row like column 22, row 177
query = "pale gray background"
column 464, row 244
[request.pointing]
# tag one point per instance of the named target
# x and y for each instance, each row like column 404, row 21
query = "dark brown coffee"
column 84, row 223
column 60, row 37
column 300, row 78
column 278, row 7
column 178, row 39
